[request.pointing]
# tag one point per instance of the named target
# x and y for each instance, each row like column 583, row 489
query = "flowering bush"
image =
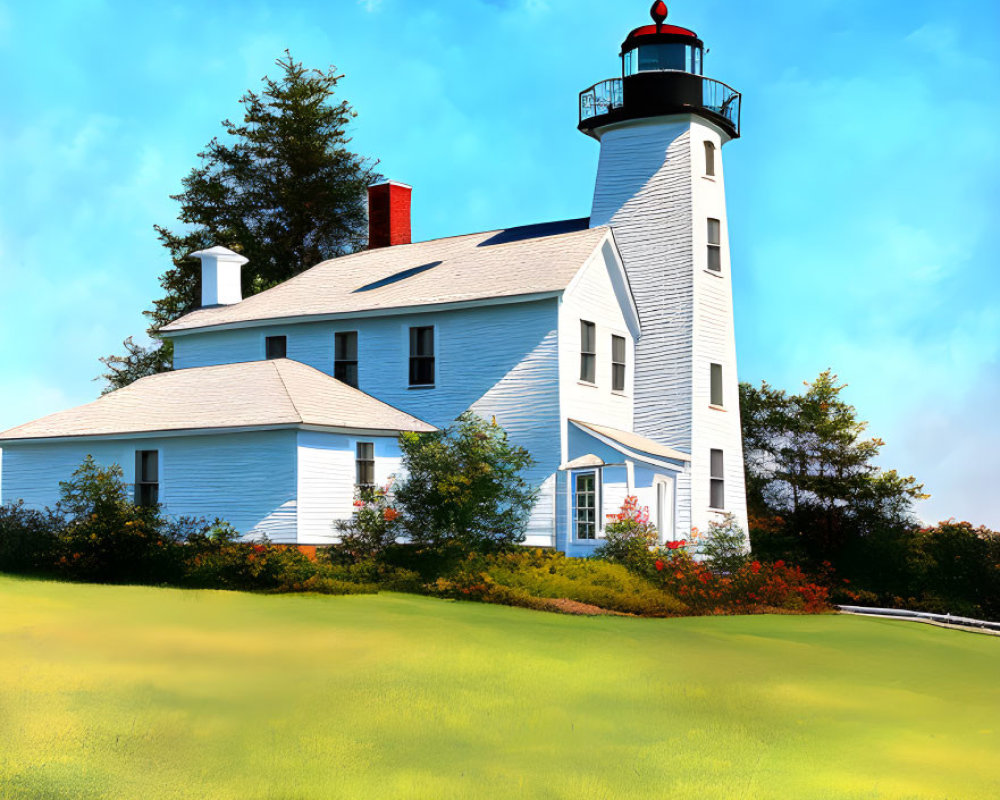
column 372, row 529
column 629, row 536
column 753, row 586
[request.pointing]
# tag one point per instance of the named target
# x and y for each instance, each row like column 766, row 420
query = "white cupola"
column 220, row 276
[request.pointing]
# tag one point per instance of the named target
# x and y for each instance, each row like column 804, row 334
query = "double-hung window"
column 710, row 159
column 147, row 477
column 588, row 352
column 345, row 357
column 585, row 505
column 717, row 488
column 365, row 465
column 422, row 356
column 716, row 385
column 715, row 245
column 275, row 347
column 618, row 363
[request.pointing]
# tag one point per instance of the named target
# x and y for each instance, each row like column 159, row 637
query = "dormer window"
column 710, row 159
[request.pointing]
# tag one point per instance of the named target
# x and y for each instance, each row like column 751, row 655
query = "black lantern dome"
column 662, row 73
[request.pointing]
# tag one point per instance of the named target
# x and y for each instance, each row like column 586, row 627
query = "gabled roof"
column 631, row 442
column 255, row 394
column 516, row 262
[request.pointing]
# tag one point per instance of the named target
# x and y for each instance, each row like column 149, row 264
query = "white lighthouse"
column 661, row 187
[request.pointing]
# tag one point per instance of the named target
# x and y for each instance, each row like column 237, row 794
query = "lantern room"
column 662, row 74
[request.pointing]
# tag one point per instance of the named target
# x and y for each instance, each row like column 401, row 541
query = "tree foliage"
column 811, row 468
column 282, row 189
column 464, row 487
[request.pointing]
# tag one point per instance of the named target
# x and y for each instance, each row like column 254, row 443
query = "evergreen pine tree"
column 283, row 190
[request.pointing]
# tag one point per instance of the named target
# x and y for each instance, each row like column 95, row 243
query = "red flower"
column 659, row 565
column 390, row 514
column 674, row 545
column 755, row 567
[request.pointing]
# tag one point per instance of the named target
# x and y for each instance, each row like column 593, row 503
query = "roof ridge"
column 284, row 385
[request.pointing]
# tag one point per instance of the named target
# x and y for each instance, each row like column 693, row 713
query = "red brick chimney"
column 388, row 214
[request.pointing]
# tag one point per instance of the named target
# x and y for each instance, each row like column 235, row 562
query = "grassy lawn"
column 128, row 692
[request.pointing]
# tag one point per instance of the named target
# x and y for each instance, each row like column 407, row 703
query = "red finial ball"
column 658, row 12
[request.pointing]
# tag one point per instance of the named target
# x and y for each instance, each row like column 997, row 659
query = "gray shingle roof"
column 517, row 261
column 246, row 395
column 634, row 441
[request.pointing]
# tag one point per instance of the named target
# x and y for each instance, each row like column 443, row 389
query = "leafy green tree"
column 464, row 488
column 283, row 190
column 811, row 467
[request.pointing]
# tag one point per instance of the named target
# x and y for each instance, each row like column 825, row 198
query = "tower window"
column 716, row 385
column 345, row 357
column 618, row 363
column 275, row 347
column 715, row 245
column 422, row 356
column 710, row 158
column 147, row 477
column 585, row 505
column 717, row 489
column 365, row 464
column 588, row 352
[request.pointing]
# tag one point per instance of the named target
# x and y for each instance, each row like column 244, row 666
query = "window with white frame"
column 710, row 159
column 618, row 363
column 715, row 245
column 717, row 488
column 345, row 357
column 588, row 352
column 365, row 465
column 716, row 385
column 585, row 505
column 422, row 356
column 147, row 477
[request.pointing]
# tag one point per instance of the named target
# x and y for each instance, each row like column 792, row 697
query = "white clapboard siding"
column 652, row 191
column 500, row 361
column 247, row 479
column 593, row 298
column 326, row 479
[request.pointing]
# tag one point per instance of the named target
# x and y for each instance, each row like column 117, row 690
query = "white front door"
column 665, row 508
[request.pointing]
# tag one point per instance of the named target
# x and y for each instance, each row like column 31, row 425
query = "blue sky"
column 863, row 198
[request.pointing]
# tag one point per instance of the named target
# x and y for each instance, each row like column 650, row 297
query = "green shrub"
column 725, row 545
column 107, row 539
column 513, row 578
column 464, row 488
column 28, row 538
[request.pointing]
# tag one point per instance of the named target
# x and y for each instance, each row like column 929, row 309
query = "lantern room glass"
column 662, row 56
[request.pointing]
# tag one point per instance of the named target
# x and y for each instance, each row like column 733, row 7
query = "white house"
column 604, row 345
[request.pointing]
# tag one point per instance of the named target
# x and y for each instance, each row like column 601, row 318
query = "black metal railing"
column 716, row 96
column 601, row 98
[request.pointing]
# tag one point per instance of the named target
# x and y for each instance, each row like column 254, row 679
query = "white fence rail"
column 945, row 619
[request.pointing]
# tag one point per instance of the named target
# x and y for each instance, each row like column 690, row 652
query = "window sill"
column 588, row 384
column 422, row 387
column 708, row 178
column 721, row 511
column 714, row 407
column 619, row 393
column 714, row 273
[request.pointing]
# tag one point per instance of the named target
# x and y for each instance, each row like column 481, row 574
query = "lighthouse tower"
column 660, row 186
